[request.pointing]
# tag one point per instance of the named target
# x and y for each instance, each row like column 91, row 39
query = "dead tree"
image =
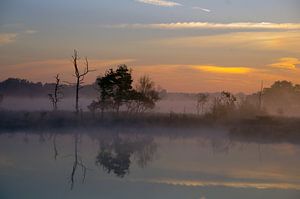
column 79, row 76
column 56, row 95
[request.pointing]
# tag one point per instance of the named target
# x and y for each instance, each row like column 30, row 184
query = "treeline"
column 115, row 92
column 15, row 87
column 282, row 98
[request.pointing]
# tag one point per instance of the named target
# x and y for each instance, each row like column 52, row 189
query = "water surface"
column 147, row 163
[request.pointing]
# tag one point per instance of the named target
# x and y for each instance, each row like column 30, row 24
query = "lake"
column 139, row 163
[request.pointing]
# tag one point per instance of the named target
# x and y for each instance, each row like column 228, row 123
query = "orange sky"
column 220, row 47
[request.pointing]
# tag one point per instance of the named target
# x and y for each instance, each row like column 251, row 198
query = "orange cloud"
column 222, row 69
column 207, row 25
column 289, row 63
column 274, row 41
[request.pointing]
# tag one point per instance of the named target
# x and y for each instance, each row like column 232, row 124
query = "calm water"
column 144, row 163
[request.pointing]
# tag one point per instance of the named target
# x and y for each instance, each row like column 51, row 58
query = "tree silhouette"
column 223, row 105
column 106, row 86
column 115, row 88
column 56, row 95
column 79, row 76
column 281, row 96
column 144, row 96
column 123, row 86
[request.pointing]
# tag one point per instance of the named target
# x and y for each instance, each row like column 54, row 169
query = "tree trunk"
column 77, row 95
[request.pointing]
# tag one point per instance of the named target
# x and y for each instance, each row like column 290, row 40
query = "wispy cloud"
column 200, row 8
column 289, row 63
column 192, row 183
column 30, row 31
column 11, row 37
column 222, row 69
column 208, row 25
column 286, row 41
column 160, row 3
column 6, row 38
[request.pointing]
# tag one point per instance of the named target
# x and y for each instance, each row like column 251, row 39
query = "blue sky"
column 157, row 37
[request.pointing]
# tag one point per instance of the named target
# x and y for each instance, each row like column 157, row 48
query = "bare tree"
column 144, row 96
column 79, row 76
column 56, row 95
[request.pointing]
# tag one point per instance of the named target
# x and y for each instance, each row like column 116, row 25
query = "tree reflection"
column 116, row 153
column 77, row 163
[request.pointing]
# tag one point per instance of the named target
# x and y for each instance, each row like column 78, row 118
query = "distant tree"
column 79, row 76
column 202, row 99
column 93, row 106
column 56, row 95
column 144, row 96
column 21, row 87
column 223, row 105
column 281, row 97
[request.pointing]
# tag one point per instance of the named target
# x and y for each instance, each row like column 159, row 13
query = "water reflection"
column 206, row 160
column 116, row 152
column 78, row 162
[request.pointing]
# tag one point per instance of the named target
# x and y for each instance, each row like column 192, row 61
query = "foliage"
column 282, row 97
column 223, row 105
column 144, row 96
column 115, row 89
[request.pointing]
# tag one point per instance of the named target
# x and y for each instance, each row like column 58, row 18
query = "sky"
column 183, row 45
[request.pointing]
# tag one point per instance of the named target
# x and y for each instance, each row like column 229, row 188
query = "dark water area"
column 147, row 163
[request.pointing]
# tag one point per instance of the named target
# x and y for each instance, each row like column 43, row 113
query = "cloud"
column 233, row 184
column 30, row 31
column 6, row 38
column 208, row 25
column 222, row 69
column 286, row 41
column 160, row 3
column 199, row 8
column 286, row 63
